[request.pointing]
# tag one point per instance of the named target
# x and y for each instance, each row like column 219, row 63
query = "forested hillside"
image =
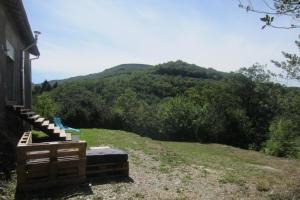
column 120, row 69
column 183, row 102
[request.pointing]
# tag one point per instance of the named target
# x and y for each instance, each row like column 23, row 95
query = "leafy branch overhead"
column 291, row 66
column 273, row 9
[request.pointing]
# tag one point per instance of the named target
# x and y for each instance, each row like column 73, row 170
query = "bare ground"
column 171, row 170
column 151, row 181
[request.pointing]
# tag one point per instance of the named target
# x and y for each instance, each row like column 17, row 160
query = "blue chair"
column 57, row 122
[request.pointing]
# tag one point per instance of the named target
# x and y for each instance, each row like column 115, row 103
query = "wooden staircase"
column 40, row 123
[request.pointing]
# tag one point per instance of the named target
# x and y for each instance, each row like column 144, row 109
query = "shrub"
column 283, row 133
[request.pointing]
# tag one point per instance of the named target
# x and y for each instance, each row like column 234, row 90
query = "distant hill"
column 119, row 69
column 173, row 68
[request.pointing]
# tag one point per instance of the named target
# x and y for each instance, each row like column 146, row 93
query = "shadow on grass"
column 98, row 180
column 69, row 191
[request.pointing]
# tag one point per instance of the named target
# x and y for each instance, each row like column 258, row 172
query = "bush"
column 178, row 116
column 45, row 105
column 282, row 142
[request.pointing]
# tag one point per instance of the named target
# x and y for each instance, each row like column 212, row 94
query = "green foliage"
column 45, row 105
column 43, row 87
column 282, row 139
column 117, row 70
column 257, row 72
column 79, row 105
column 291, row 66
column 177, row 117
column 178, row 101
column 275, row 9
column 180, row 68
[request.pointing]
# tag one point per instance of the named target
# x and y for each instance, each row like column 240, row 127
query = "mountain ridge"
column 172, row 68
column 119, row 69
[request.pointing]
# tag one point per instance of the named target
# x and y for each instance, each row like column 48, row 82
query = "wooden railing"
column 43, row 165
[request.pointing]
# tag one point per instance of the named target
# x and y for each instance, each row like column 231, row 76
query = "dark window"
column 10, row 80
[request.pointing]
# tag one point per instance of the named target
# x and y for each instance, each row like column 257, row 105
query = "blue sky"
column 87, row 36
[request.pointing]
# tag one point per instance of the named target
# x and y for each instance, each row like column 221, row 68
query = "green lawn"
column 237, row 164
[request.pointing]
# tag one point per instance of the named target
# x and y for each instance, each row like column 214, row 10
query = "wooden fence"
column 43, row 165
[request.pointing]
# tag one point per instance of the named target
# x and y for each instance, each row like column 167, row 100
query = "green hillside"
column 182, row 170
column 178, row 101
column 119, row 69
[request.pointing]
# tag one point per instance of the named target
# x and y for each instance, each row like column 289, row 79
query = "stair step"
column 39, row 120
column 56, row 131
column 24, row 110
column 45, row 123
column 17, row 107
column 51, row 126
column 62, row 133
column 28, row 113
column 34, row 117
column 68, row 137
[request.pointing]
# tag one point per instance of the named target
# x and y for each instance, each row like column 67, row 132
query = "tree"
column 282, row 139
column 257, row 72
column 36, row 89
column 46, row 86
column 273, row 9
column 79, row 106
column 178, row 115
column 125, row 108
column 45, row 105
column 55, row 85
column 291, row 66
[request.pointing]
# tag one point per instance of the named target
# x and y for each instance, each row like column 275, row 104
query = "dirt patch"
column 265, row 167
column 153, row 178
column 150, row 181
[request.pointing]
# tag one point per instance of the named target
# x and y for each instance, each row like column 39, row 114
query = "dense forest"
column 182, row 102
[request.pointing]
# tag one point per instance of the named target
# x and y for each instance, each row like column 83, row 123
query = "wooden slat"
column 36, row 166
column 59, row 145
column 42, row 173
column 38, row 154
column 70, row 170
column 67, row 152
column 107, row 167
column 101, row 171
column 58, row 182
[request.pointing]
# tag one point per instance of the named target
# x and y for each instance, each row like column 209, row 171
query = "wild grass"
column 243, row 168
column 238, row 166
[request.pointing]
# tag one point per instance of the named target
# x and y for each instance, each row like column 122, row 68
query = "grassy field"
column 181, row 170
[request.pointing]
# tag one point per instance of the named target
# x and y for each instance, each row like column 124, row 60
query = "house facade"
column 17, row 43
